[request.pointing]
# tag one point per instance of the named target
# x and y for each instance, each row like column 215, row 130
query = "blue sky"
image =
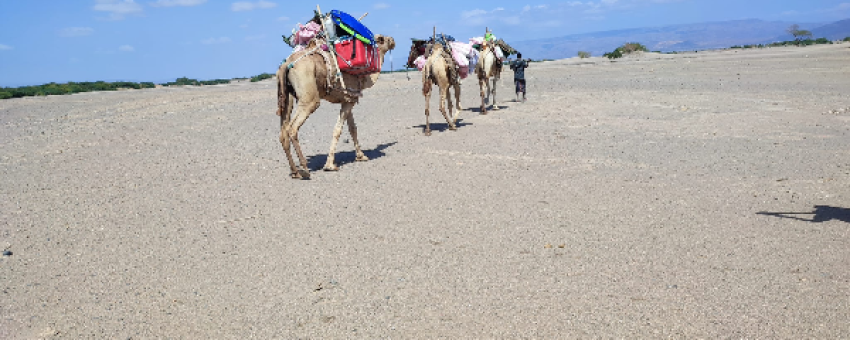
column 45, row 41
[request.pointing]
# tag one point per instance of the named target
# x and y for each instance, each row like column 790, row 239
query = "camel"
column 488, row 67
column 440, row 70
column 307, row 77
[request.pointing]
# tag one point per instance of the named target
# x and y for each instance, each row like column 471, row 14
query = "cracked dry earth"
column 699, row 195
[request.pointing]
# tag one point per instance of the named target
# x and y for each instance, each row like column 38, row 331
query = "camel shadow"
column 822, row 213
column 478, row 109
column 317, row 162
column 441, row 127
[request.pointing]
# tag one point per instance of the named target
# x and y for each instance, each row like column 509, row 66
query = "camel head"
column 435, row 49
column 385, row 44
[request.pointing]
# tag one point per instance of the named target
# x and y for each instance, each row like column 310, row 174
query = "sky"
column 44, row 41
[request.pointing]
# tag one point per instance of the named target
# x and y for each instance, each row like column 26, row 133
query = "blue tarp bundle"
column 353, row 27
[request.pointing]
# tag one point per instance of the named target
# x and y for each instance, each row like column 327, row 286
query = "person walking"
column 519, row 65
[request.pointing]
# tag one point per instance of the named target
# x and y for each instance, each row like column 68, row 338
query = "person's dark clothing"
column 519, row 67
column 520, row 86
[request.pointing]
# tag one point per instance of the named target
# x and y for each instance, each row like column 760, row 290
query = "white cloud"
column 512, row 20
column 172, row 3
column 212, row 41
column 126, row 48
column 381, row 5
column 76, row 31
column 5, row 47
column 477, row 17
column 250, row 6
column 843, row 6
column 100, row 50
column 117, row 9
column 473, row 13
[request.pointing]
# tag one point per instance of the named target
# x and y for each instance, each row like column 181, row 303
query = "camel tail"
column 426, row 79
column 284, row 107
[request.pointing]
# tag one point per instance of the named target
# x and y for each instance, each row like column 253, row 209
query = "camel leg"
column 446, row 100
column 427, row 111
column 352, row 129
column 305, row 109
column 330, row 164
column 493, row 98
column 457, row 100
column 482, row 84
column 285, row 142
column 284, row 110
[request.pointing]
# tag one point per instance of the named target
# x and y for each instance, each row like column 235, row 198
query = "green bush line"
column 804, row 42
column 68, row 88
column 89, row 86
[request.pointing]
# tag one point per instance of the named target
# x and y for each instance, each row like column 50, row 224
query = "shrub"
column 261, row 77
column 847, row 39
column 617, row 53
column 634, row 47
column 627, row 48
column 583, row 54
column 5, row 95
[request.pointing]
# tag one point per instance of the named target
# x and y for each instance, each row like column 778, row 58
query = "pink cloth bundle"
column 306, row 32
column 420, row 62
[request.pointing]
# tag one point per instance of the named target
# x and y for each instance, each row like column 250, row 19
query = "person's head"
column 519, row 55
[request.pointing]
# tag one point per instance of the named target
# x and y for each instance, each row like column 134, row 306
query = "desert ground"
column 696, row 195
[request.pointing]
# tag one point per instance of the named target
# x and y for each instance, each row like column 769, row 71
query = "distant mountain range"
column 687, row 37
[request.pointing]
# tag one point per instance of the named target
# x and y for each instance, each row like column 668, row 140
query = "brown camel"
column 440, row 69
column 489, row 66
column 307, row 77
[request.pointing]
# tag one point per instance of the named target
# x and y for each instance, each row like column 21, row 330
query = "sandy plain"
column 644, row 198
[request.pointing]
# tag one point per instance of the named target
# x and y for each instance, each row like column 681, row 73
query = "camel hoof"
column 362, row 158
column 330, row 167
column 427, row 133
column 452, row 128
column 295, row 175
column 304, row 174
column 495, row 108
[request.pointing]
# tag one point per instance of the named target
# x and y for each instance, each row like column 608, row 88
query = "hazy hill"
column 834, row 31
column 686, row 37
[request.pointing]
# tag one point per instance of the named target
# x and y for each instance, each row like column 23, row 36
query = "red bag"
column 355, row 57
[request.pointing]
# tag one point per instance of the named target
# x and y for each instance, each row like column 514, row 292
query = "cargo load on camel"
column 460, row 54
column 464, row 55
column 350, row 42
